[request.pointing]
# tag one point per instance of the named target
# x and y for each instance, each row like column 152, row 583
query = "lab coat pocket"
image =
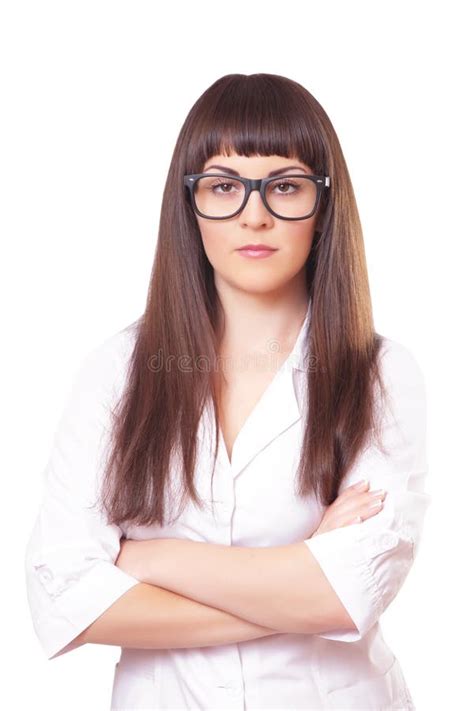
column 132, row 690
column 387, row 692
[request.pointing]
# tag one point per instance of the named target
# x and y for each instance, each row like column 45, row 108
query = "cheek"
column 217, row 245
column 299, row 243
column 295, row 248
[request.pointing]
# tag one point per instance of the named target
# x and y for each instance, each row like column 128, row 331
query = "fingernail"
column 361, row 484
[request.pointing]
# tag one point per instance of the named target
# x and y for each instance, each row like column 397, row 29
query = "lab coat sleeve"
column 367, row 563
column 69, row 559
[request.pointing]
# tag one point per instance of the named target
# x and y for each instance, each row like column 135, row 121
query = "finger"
column 374, row 506
column 357, row 488
column 370, row 508
column 361, row 485
column 361, row 505
column 372, row 496
column 353, row 500
column 361, row 499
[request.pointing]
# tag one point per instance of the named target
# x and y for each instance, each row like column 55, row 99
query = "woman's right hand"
column 353, row 505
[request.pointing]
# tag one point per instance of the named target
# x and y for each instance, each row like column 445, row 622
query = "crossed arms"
column 201, row 594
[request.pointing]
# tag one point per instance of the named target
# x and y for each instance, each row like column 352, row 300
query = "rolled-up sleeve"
column 71, row 578
column 367, row 563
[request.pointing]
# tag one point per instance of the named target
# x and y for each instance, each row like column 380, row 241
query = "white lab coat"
column 71, row 577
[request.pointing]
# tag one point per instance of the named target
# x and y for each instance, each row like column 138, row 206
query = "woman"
column 205, row 505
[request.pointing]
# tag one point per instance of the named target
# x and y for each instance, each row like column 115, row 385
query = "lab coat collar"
column 280, row 406
column 298, row 357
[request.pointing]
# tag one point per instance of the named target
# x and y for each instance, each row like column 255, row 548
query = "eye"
column 226, row 187
column 283, row 186
column 222, row 186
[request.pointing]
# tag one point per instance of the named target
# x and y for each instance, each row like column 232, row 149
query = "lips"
column 256, row 251
column 258, row 247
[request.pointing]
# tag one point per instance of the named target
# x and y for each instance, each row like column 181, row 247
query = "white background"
column 93, row 96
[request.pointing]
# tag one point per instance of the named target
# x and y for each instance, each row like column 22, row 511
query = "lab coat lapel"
column 279, row 407
column 275, row 412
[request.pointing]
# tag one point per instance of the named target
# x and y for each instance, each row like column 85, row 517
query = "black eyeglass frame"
column 259, row 184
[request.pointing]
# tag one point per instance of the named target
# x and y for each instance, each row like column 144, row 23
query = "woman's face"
column 222, row 239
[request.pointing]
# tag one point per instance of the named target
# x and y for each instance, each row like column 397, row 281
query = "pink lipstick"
column 256, row 251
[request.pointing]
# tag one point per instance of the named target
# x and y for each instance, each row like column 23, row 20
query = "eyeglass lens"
column 222, row 196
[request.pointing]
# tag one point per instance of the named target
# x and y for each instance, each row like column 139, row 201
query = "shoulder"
column 404, row 384
column 102, row 371
column 115, row 350
column 399, row 365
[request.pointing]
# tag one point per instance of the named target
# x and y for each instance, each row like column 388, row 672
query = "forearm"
column 280, row 587
column 148, row 617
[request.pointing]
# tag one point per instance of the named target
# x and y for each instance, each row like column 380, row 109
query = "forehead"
column 255, row 162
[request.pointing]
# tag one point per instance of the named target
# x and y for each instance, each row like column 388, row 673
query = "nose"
column 255, row 212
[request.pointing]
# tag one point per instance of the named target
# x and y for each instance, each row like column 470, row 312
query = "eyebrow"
column 278, row 171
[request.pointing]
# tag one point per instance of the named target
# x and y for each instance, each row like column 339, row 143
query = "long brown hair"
column 158, row 413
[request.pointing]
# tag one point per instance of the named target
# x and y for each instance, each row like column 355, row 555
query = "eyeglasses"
column 218, row 196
